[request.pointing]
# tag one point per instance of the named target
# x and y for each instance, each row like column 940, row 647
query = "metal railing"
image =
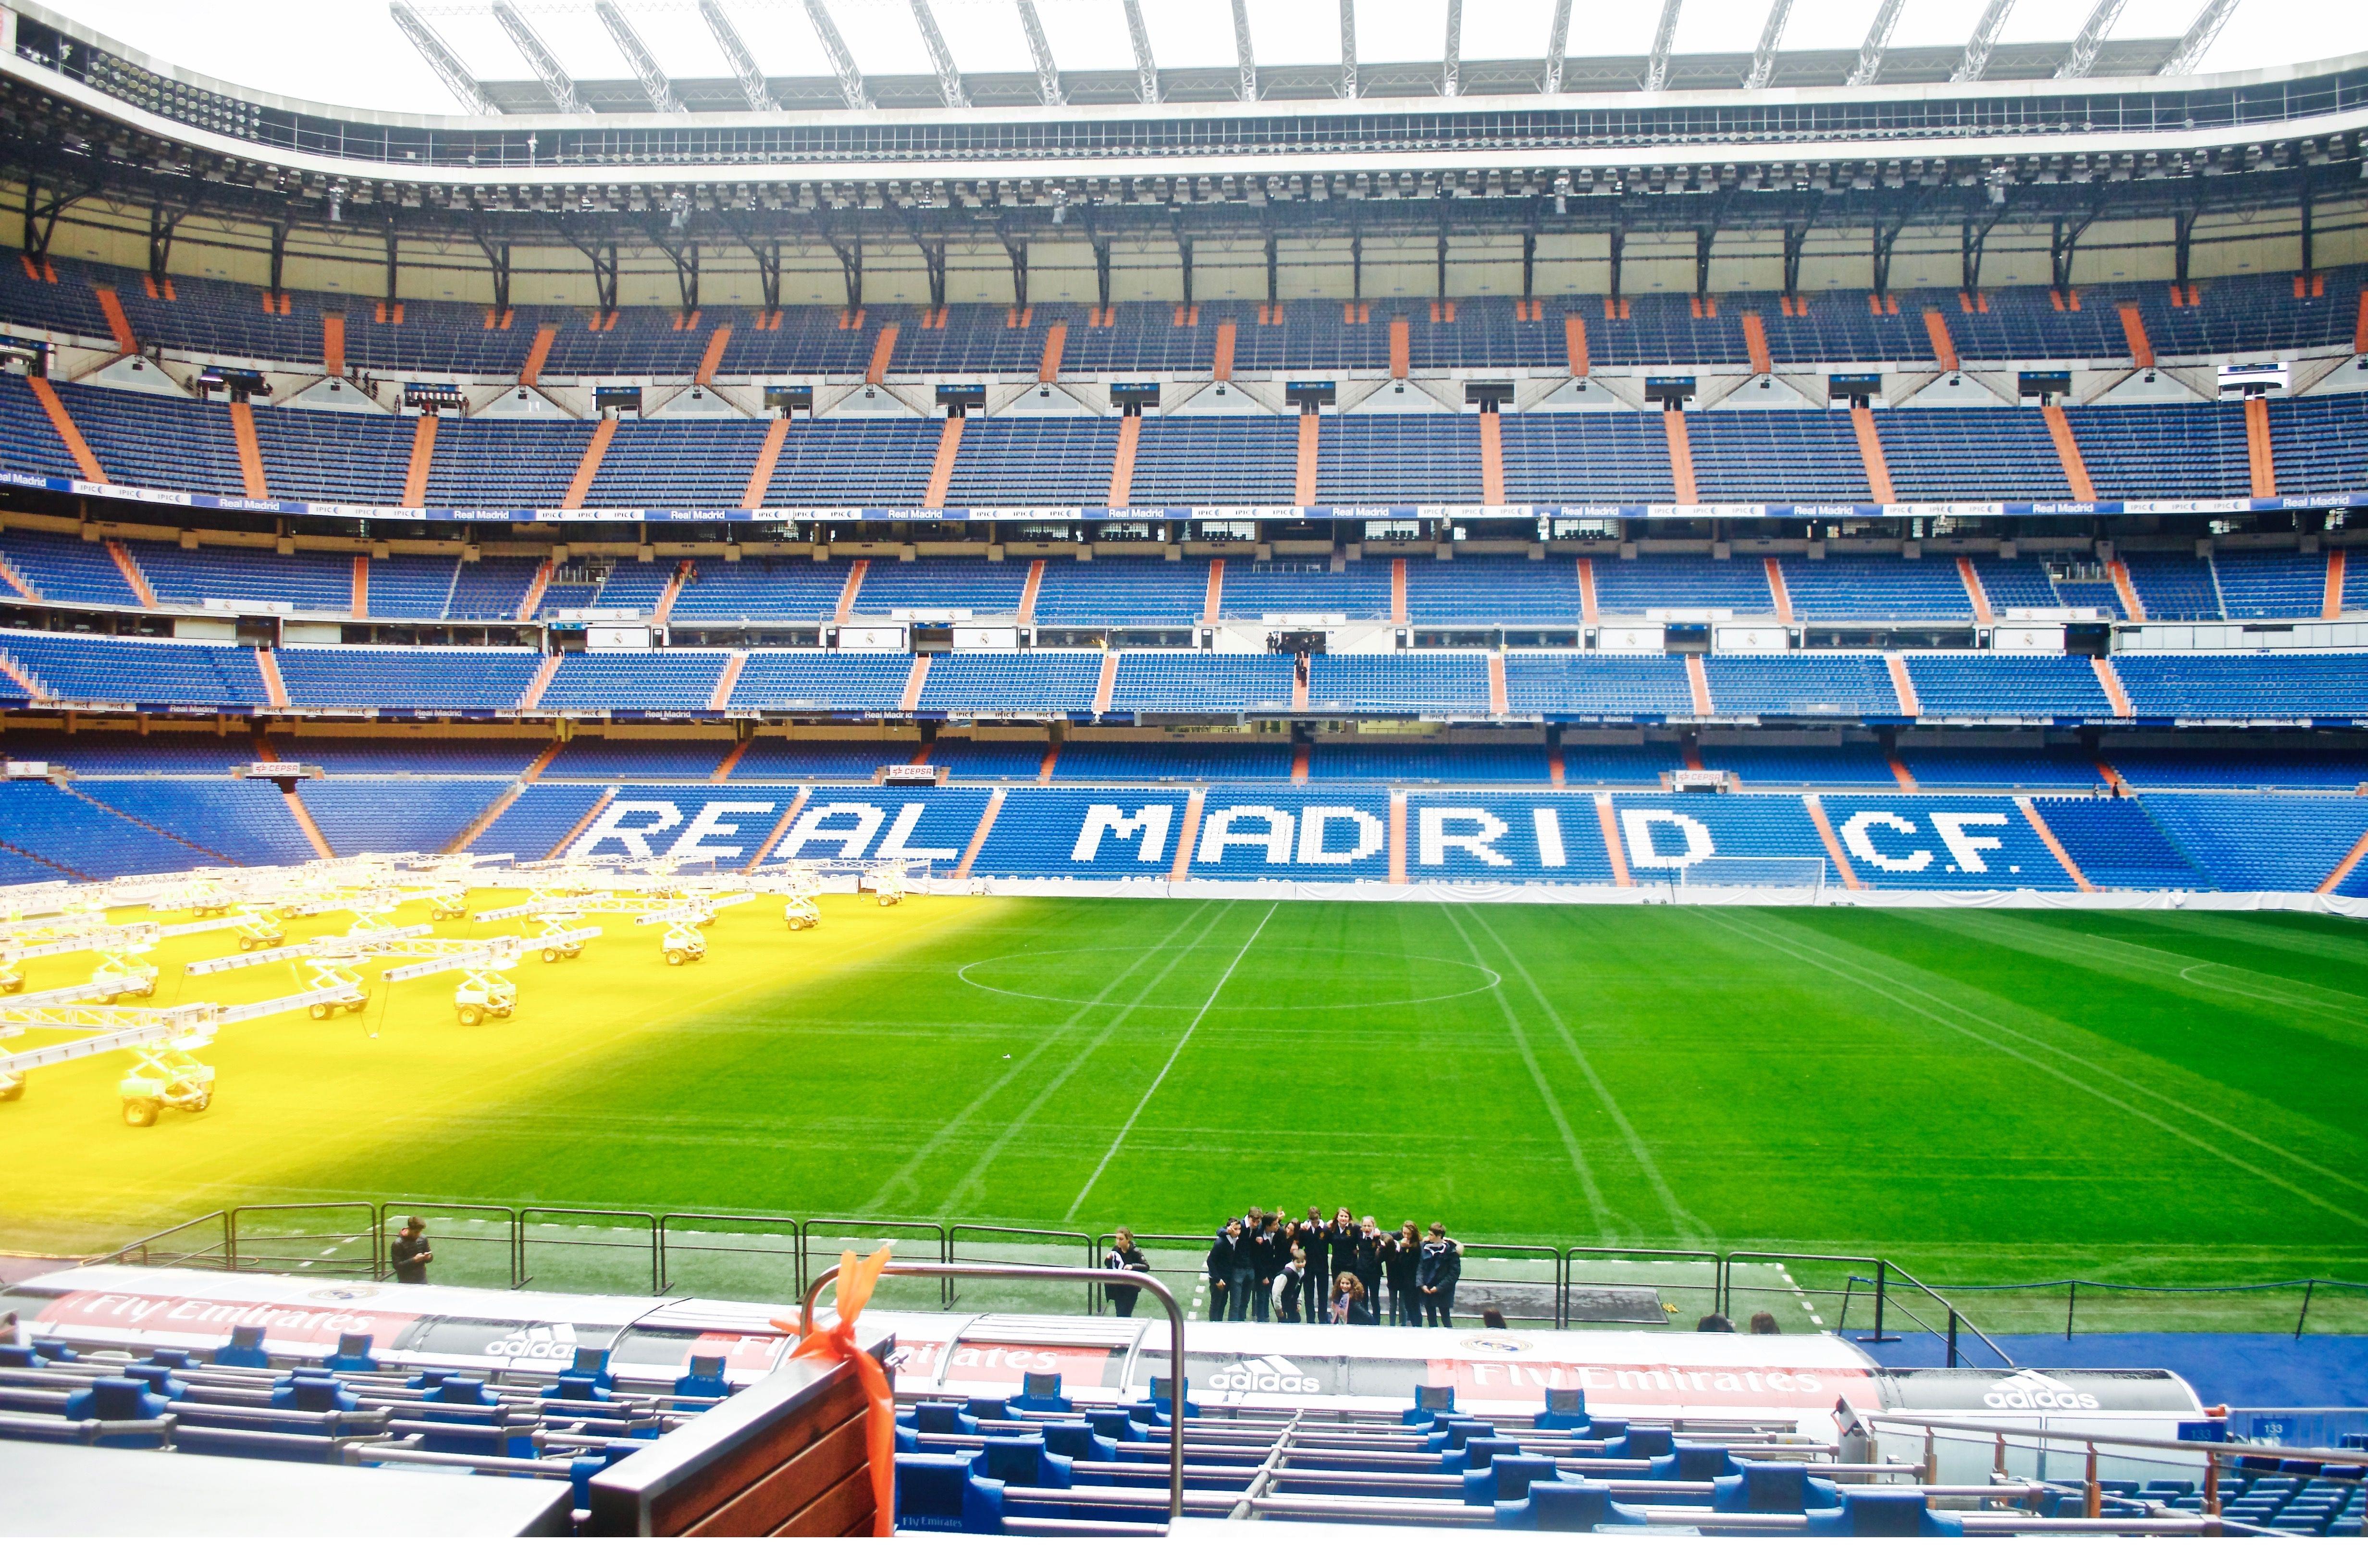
column 761, row 1256
column 2302, row 1296
column 951, row 1272
column 2208, row 1457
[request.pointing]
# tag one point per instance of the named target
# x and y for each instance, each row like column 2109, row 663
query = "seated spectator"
column 1764, row 1322
column 1715, row 1323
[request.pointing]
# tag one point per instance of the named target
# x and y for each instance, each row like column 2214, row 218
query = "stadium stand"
column 1308, row 585
column 1560, row 459
column 1845, row 588
column 827, row 682
column 2117, row 845
column 1813, row 684
column 1493, row 589
column 2246, row 686
column 1090, row 761
column 1011, row 683
column 1249, row 459
column 1803, row 767
column 1982, row 684
column 984, row 761
column 676, row 681
column 587, row 757
column 1419, row 764
column 62, row 568
column 1603, row 686
column 1936, row 766
column 1682, row 584
column 239, row 822
column 1951, row 454
column 367, row 677
column 1743, row 454
column 759, row 589
column 163, row 674
column 1627, row 766
column 2190, row 767
column 773, row 756
column 363, row 816
column 1382, row 683
column 1208, row 683
column 1121, row 591
column 542, row 821
column 112, row 754
column 448, row 757
column 79, row 834
column 984, row 587
column 2242, row 847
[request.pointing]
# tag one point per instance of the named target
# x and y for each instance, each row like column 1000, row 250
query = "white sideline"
column 1182, row 1041
column 1599, row 893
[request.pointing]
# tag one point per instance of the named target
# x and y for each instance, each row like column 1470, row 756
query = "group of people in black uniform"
column 1264, row 1267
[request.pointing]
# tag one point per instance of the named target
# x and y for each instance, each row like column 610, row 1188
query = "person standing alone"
column 1124, row 1255
column 410, row 1254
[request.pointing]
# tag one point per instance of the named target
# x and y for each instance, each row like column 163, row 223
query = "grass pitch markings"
column 1842, row 969
column 2114, row 956
column 1684, row 1223
column 2261, row 930
column 905, row 1176
column 972, row 1180
column 1605, row 1220
column 1182, row 1041
column 2063, row 946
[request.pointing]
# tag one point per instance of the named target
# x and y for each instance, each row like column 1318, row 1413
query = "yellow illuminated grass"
column 369, row 1103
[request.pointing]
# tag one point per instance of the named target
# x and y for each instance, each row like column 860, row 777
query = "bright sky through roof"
column 349, row 51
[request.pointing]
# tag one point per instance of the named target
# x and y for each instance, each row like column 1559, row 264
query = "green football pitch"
column 1981, row 1097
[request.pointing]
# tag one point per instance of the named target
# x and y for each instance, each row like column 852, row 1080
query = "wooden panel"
column 731, row 1474
column 808, row 1475
column 845, row 1509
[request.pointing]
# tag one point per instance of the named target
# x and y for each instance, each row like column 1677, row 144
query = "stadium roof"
column 545, row 57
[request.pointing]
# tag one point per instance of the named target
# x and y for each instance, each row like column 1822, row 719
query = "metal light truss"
column 2091, row 38
column 2198, row 38
column 1146, row 69
column 1245, row 58
column 1763, row 59
column 440, row 59
column 950, row 82
column 1558, row 45
column 125, row 1028
column 539, row 58
column 842, row 64
column 1878, row 40
column 637, row 55
column 1349, row 46
column 1048, row 75
column 753, row 86
column 1656, row 65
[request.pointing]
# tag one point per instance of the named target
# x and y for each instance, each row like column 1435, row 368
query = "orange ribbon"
column 856, row 1276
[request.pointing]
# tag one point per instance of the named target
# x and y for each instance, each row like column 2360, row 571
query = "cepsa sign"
column 199, row 1318
column 1806, row 1388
